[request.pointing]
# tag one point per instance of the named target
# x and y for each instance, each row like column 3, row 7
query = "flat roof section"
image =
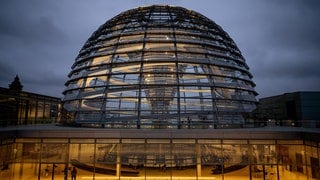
column 267, row 133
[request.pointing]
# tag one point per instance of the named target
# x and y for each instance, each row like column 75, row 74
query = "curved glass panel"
column 160, row 67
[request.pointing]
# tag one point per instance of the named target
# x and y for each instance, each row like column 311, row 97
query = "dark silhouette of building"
column 18, row 107
column 298, row 109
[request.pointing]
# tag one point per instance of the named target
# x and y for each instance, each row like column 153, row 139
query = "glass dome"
column 160, row 67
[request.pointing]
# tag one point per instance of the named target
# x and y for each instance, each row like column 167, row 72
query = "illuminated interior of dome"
column 160, row 67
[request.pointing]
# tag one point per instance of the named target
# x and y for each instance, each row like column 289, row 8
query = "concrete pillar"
column 198, row 151
column 118, row 172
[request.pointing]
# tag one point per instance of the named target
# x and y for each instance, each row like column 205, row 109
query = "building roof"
column 267, row 133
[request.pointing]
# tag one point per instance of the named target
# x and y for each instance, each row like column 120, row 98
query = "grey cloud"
column 279, row 39
column 48, row 81
column 287, row 64
column 26, row 24
column 280, row 85
column 295, row 25
column 40, row 30
column 7, row 74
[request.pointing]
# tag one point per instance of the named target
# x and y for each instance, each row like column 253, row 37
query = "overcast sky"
column 280, row 40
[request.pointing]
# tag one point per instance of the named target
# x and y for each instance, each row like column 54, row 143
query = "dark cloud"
column 29, row 24
column 289, row 65
column 6, row 72
column 33, row 45
column 48, row 82
column 295, row 25
column 280, row 40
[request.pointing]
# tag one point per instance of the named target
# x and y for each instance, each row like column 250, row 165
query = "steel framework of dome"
column 160, row 67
